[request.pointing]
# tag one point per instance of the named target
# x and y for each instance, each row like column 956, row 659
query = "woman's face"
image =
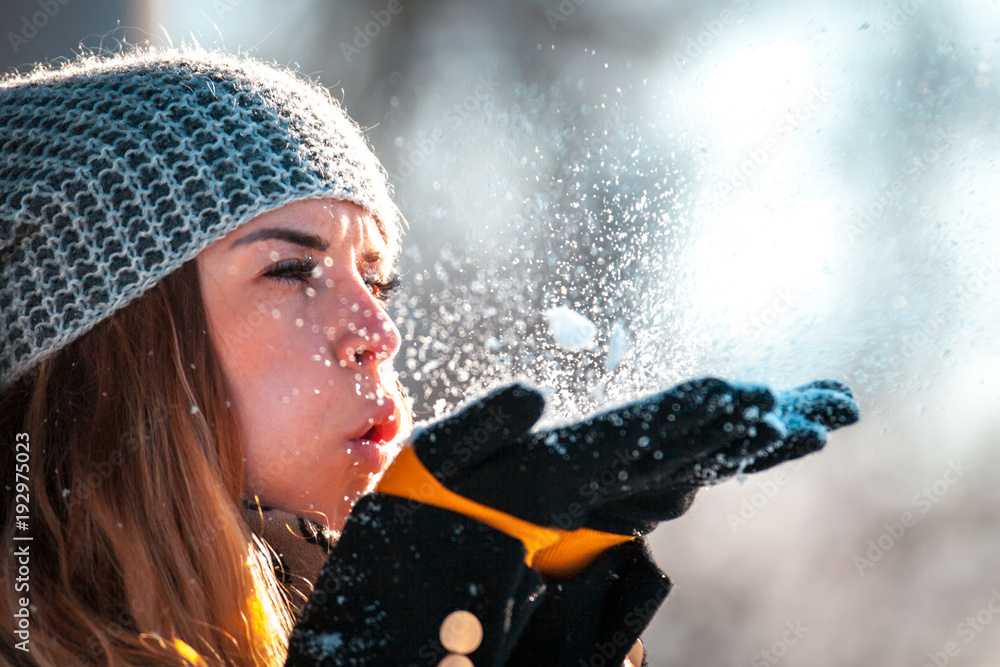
column 296, row 304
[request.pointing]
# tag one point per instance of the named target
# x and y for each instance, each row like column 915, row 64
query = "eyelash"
column 385, row 290
column 294, row 271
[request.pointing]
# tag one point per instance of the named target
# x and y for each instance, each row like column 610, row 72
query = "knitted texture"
column 116, row 170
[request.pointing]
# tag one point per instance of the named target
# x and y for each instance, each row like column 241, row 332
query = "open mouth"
column 386, row 423
column 375, row 448
column 383, row 432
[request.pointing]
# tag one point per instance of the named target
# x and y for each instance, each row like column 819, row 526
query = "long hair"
column 131, row 497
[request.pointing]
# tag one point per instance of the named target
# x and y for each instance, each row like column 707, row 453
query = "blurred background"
column 753, row 189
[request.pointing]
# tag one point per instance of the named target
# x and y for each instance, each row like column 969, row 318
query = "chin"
column 335, row 515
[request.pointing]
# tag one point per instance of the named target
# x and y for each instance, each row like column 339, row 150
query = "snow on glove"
column 807, row 414
column 484, row 462
column 797, row 424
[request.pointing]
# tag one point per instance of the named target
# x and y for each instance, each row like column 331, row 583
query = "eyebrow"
column 372, row 257
column 289, row 235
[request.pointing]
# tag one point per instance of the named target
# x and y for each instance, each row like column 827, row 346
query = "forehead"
column 322, row 225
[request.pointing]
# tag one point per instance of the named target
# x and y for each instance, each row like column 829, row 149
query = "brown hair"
column 139, row 554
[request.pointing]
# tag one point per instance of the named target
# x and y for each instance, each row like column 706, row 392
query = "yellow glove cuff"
column 408, row 478
column 574, row 551
column 553, row 552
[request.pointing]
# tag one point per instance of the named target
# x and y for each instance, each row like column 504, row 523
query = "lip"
column 373, row 444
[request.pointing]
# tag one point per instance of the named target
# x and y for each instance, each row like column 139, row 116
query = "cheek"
column 285, row 443
column 274, row 389
column 267, row 349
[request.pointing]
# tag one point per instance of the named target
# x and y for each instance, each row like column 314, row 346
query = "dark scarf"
column 298, row 548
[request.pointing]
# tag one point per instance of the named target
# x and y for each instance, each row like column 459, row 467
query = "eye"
column 292, row 271
column 384, row 290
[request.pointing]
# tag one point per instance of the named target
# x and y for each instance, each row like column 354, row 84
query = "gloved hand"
column 796, row 423
column 807, row 414
column 624, row 470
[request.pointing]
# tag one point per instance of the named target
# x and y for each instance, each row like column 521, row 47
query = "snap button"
column 461, row 632
column 455, row 660
column 635, row 654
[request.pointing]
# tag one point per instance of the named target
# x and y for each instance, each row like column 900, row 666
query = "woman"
column 201, row 421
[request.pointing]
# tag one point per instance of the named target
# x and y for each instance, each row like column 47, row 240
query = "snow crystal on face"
column 570, row 329
column 617, row 347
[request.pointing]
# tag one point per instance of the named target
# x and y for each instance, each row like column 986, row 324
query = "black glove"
column 629, row 468
column 807, row 414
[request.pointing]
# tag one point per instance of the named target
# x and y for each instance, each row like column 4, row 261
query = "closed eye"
column 292, row 271
column 384, row 290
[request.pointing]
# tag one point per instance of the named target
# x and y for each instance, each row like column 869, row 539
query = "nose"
column 366, row 333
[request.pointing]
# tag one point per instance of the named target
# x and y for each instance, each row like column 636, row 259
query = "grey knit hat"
column 116, row 170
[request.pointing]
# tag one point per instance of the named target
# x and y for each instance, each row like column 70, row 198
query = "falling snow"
column 617, row 347
column 570, row 329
